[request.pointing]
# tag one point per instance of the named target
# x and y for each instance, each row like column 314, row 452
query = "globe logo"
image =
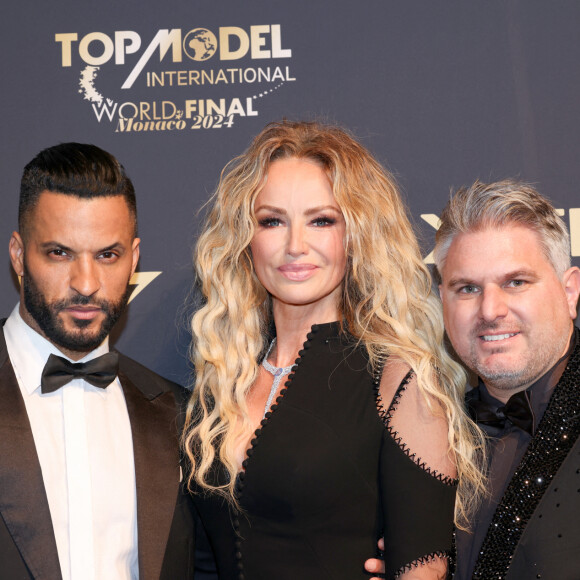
column 200, row 44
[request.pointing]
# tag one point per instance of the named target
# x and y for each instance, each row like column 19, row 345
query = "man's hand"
column 375, row 565
column 436, row 569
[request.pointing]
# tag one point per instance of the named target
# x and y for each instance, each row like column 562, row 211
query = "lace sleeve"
column 417, row 478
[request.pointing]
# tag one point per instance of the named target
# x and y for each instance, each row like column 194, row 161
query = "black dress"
column 325, row 478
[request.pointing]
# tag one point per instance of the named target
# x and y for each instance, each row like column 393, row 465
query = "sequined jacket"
column 535, row 531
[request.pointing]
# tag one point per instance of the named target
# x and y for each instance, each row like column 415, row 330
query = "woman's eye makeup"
column 323, row 220
column 270, row 222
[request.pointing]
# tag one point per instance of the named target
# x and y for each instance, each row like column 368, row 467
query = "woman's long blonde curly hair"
column 387, row 300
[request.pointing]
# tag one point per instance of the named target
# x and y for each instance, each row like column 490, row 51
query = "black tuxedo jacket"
column 535, row 530
column 550, row 544
column 165, row 519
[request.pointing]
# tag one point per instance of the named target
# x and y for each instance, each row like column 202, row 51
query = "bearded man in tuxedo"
column 90, row 476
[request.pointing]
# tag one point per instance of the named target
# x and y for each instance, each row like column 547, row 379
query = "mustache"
column 482, row 327
column 80, row 300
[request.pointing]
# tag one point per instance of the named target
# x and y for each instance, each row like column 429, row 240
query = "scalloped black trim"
column 387, row 415
column 266, row 419
column 423, row 560
column 256, row 439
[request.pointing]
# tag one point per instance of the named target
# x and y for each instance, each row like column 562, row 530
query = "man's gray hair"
column 507, row 202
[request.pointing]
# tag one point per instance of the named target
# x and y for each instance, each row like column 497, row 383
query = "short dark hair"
column 78, row 169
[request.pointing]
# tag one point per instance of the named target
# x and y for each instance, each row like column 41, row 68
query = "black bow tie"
column 518, row 410
column 99, row 372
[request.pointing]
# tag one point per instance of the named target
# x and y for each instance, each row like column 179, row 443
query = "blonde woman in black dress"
column 326, row 411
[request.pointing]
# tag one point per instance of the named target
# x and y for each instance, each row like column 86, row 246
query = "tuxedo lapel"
column 157, row 470
column 23, row 503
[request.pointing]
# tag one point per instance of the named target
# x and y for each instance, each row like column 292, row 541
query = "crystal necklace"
column 278, row 373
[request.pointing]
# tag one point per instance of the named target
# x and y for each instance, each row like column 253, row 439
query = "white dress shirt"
column 83, row 439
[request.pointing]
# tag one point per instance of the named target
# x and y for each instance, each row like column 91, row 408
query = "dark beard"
column 46, row 316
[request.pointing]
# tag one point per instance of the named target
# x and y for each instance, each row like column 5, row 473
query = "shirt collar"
column 29, row 351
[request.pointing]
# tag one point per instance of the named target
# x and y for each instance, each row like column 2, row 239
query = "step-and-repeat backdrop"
column 442, row 92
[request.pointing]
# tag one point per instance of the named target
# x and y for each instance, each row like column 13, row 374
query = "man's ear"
column 16, row 251
column 571, row 283
column 135, row 250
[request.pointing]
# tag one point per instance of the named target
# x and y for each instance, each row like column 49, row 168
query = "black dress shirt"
column 507, row 446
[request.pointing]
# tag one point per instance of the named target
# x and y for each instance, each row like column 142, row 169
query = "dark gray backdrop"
column 442, row 92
